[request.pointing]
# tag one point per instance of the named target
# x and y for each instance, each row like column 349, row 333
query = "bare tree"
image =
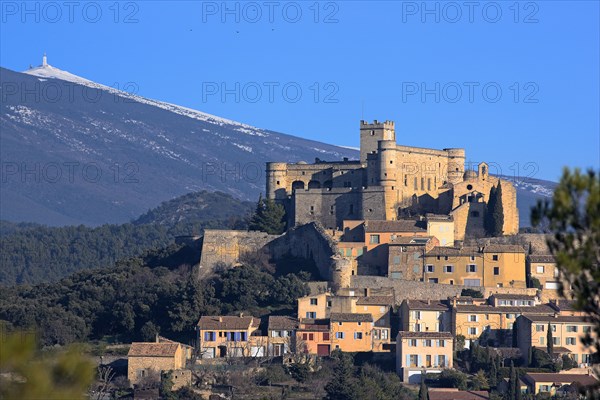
column 101, row 387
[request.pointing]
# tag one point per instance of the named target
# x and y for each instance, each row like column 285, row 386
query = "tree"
column 423, row 391
column 269, row 217
column 342, row 384
column 479, row 381
column 488, row 222
column 493, row 379
column 512, row 382
column 550, row 341
column 472, row 293
column 497, row 218
column 64, row 375
column 573, row 219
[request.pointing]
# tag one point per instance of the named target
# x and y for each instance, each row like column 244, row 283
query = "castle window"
column 392, row 188
column 469, row 187
column 391, row 162
column 278, row 182
column 496, row 270
column 312, row 208
column 372, row 133
column 422, row 183
column 428, row 184
column 405, row 180
column 416, row 186
column 495, row 257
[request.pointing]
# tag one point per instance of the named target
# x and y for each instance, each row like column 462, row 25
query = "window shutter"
column 419, row 362
column 408, row 360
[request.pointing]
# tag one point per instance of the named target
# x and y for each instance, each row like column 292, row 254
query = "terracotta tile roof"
column 282, row 322
column 560, row 350
column 582, row 379
column 508, row 296
column 503, row 248
column 455, row 394
column 543, row 309
column 403, row 225
column 152, row 349
column 439, row 217
column 454, row 251
column 375, row 301
column 351, row 317
column 411, row 240
column 426, row 305
column 559, row 319
column 219, row 322
column 541, row 258
column 425, row 335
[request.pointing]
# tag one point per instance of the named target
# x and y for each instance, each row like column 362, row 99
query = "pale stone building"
column 389, row 181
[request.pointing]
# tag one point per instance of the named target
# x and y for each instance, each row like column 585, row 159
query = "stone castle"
column 389, row 182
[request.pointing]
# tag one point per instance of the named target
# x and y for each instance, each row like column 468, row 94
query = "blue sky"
column 516, row 84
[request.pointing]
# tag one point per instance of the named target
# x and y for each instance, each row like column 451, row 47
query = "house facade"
column 418, row 352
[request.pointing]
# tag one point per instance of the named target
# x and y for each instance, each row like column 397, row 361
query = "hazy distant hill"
column 32, row 253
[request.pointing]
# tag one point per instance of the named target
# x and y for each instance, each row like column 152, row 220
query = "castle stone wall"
column 226, row 246
column 426, row 291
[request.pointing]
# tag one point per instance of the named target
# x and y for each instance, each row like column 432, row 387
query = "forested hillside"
column 142, row 296
column 31, row 254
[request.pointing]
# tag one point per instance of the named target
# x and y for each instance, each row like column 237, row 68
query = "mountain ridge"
column 145, row 150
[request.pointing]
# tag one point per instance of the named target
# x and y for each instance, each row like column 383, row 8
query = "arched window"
column 297, row 185
column 314, row 185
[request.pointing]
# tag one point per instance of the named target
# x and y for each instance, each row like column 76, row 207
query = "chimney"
column 220, row 319
column 241, row 314
column 428, row 301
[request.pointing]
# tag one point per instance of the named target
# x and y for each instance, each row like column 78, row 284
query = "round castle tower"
column 386, row 150
column 276, row 180
column 456, row 165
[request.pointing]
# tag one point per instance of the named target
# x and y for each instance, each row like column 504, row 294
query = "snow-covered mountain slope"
column 74, row 151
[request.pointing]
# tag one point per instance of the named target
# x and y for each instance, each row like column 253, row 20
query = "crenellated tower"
column 371, row 134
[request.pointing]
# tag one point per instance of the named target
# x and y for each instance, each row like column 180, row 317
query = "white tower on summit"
column 44, row 60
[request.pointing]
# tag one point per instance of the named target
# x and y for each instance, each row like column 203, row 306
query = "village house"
column 556, row 384
column 405, row 259
column 314, row 306
column 491, row 321
column 567, row 331
column 422, row 352
column 313, row 336
column 352, row 332
column 230, row 336
column 543, row 268
column 424, row 316
column 146, row 359
column 282, row 335
column 490, row 266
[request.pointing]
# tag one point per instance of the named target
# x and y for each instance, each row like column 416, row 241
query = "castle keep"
column 389, row 182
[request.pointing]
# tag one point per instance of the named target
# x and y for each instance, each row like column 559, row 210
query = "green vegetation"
column 31, row 254
column 142, row 296
column 476, row 294
column 268, row 217
column 494, row 216
column 25, row 373
column 573, row 218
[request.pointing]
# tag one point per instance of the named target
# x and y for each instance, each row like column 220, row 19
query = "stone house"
column 351, row 332
column 422, row 352
column 230, row 336
column 405, row 259
column 424, row 316
column 147, row 358
column 491, row 266
column 282, row 335
column 567, row 332
column 491, row 320
column 554, row 384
